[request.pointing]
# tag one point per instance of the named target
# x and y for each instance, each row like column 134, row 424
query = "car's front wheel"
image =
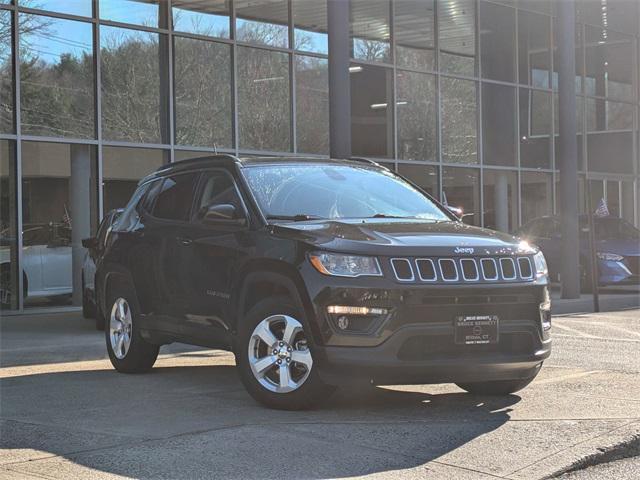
column 128, row 351
column 275, row 359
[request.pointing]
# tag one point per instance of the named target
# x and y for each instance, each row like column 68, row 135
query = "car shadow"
column 197, row 421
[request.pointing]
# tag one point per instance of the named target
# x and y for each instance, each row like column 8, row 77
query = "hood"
column 401, row 237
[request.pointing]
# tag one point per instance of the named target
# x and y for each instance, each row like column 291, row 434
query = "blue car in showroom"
column 617, row 247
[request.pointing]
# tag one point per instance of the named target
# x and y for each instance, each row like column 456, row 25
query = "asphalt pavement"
column 65, row 413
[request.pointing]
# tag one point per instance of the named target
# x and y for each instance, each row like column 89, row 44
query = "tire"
column 305, row 388
column 497, row 387
column 140, row 355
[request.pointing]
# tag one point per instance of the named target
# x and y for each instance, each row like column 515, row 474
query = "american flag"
column 66, row 218
column 602, row 210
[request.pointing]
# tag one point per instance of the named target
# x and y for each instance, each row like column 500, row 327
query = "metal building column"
column 339, row 82
column 80, row 202
column 567, row 160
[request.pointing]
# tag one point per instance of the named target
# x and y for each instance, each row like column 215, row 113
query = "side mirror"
column 90, row 243
column 458, row 212
column 223, row 212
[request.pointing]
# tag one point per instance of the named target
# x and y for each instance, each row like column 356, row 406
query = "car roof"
column 227, row 160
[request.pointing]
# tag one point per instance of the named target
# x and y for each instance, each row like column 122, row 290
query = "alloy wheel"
column 120, row 325
column 279, row 355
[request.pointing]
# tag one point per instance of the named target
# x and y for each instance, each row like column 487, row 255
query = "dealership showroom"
column 460, row 96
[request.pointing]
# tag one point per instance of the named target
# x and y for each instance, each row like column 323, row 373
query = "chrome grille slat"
column 527, row 261
column 419, row 261
column 492, row 278
column 455, row 267
column 509, row 260
column 487, row 269
column 397, row 261
column 471, row 261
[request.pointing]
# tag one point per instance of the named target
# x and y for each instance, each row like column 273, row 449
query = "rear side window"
column 176, row 197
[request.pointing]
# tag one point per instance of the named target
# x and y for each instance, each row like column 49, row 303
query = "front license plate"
column 476, row 329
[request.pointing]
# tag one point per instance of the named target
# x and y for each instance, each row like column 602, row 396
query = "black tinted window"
column 217, row 188
column 175, row 197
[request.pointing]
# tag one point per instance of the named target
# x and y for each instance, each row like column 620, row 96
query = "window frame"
column 221, row 222
column 162, row 180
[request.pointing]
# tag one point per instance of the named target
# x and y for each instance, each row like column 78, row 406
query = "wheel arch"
column 266, row 278
column 114, row 273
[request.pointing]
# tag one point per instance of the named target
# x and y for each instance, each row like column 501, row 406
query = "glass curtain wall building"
column 458, row 95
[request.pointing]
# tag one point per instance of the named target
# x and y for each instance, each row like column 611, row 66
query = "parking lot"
column 66, row 414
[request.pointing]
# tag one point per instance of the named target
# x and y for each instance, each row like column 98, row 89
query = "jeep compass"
column 319, row 273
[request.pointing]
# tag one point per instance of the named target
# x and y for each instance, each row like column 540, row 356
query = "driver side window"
column 217, row 188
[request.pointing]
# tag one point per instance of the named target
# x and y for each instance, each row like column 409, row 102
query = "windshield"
column 335, row 192
column 612, row 228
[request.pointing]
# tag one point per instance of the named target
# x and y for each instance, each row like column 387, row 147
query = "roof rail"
column 205, row 156
column 367, row 160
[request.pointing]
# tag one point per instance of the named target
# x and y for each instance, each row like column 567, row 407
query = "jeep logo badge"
column 467, row 250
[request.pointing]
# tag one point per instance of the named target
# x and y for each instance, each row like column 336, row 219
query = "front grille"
column 463, row 270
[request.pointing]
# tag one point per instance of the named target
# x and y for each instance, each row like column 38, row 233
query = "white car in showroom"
column 46, row 260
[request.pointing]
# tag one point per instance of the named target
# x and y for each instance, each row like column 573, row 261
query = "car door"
column 206, row 260
column 167, row 230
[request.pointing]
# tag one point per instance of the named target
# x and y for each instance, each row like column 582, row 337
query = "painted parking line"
column 573, row 330
column 624, row 330
column 593, row 337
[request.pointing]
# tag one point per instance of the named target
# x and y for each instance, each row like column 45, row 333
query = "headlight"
column 345, row 265
column 610, row 257
column 541, row 265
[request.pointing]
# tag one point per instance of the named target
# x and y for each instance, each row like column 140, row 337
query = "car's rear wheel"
column 128, row 351
column 497, row 387
column 275, row 358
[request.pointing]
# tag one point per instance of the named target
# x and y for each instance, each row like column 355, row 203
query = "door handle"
column 184, row 241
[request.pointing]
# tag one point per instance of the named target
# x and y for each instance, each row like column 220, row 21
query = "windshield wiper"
column 300, row 217
column 384, row 215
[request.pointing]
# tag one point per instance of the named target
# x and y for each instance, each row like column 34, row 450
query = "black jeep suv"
column 316, row 273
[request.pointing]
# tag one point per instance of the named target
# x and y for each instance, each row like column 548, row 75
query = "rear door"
column 168, row 230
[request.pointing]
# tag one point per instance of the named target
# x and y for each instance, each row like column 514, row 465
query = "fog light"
column 343, row 322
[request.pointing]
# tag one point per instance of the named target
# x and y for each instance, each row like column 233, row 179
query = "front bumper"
column 390, row 363
column 414, row 341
